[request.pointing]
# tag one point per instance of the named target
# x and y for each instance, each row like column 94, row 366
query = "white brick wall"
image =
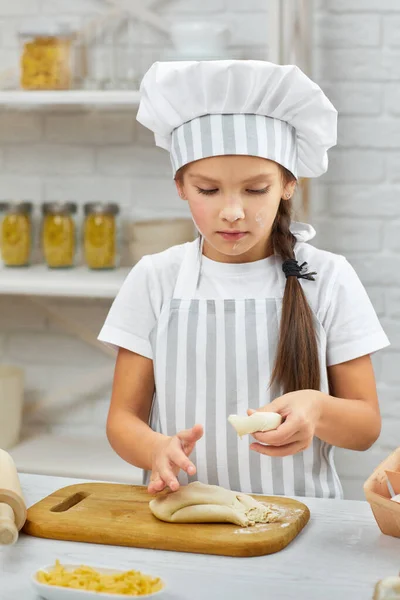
column 392, row 97
column 362, row 6
column 357, row 63
column 393, row 303
column 349, row 166
column 92, row 128
column 358, row 200
column 91, row 156
column 345, row 31
column 26, row 128
column 49, row 159
column 20, row 8
column 355, row 98
column 362, row 133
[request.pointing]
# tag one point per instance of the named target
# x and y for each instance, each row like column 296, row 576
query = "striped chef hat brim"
column 247, row 134
column 178, row 92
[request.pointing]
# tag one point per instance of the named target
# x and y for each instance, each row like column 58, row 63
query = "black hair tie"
column 291, row 268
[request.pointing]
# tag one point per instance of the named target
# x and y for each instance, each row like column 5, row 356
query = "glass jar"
column 46, row 56
column 100, row 235
column 58, row 234
column 16, row 233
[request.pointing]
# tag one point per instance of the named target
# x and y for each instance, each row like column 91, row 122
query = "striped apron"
column 213, row 358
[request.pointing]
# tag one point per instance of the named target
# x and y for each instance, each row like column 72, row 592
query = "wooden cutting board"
column 119, row 514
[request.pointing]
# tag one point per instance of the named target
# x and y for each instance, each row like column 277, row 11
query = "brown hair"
column 296, row 364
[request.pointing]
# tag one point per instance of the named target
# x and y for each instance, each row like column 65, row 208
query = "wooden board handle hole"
column 69, row 502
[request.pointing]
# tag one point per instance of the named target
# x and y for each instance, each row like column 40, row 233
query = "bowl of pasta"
column 83, row 582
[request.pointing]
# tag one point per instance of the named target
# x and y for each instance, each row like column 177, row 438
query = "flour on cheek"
column 260, row 219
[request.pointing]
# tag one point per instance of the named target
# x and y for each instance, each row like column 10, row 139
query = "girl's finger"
column 191, row 436
column 287, row 450
column 297, row 437
column 281, row 436
column 156, row 488
column 179, row 458
column 156, row 485
column 168, row 476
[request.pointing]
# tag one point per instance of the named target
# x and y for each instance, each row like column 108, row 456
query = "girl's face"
column 234, row 201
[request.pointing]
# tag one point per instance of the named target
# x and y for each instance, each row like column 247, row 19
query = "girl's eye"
column 214, row 191
column 206, row 192
column 262, row 191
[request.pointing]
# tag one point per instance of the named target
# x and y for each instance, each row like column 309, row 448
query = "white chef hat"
column 198, row 109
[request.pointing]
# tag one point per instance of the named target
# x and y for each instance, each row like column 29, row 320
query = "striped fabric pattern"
column 192, row 338
column 248, row 134
column 213, row 358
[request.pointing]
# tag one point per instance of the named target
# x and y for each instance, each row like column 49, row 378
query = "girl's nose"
column 232, row 213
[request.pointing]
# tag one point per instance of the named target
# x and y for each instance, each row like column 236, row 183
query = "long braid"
column 297, row 364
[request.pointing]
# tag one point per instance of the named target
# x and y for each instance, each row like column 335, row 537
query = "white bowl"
column 196, row 35
column 54, row 592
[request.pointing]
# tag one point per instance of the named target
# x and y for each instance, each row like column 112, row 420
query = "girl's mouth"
column 232, row 236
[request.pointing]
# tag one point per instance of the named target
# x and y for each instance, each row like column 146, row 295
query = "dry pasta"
column 99, row 241
column 46, row 64
column 58, row 239
column 127, row 583
column 16, row 239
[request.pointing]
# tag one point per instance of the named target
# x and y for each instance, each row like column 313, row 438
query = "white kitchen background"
column 89, row 156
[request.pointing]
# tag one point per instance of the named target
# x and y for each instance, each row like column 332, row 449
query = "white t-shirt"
column 337, row 296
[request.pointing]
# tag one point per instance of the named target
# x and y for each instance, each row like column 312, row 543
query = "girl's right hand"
column 170, row 456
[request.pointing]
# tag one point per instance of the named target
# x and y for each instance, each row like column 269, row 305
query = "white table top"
column 339, row 555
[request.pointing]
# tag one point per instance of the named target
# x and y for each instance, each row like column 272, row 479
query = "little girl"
column 249, row 316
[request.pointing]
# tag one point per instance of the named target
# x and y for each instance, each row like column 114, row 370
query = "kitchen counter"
column 339, row 555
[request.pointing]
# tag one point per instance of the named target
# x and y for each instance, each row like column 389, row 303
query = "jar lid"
column 46, row 27
column 100, row 208
column 17, row 207
column 59, row 208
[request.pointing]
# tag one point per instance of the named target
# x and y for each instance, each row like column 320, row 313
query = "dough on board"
column 203, row 503
column 258, row 421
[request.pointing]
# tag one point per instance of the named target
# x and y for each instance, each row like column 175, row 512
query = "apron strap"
column 189, row 272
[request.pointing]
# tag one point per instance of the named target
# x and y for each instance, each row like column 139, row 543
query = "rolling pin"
column 12, row 504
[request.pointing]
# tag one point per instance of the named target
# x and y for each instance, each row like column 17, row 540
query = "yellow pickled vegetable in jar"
column 46, row 57
column 58, row 234
column 100, row 235
column 16, row 234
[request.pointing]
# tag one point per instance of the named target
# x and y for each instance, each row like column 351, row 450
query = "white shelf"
column 77, row 99
column 77, row 282
column 61, row 456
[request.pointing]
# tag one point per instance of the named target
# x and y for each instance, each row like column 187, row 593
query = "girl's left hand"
column 301, row 411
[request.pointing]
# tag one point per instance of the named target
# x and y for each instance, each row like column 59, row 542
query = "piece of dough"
column 387, row 589
column 258, row 421
column 202, row 503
